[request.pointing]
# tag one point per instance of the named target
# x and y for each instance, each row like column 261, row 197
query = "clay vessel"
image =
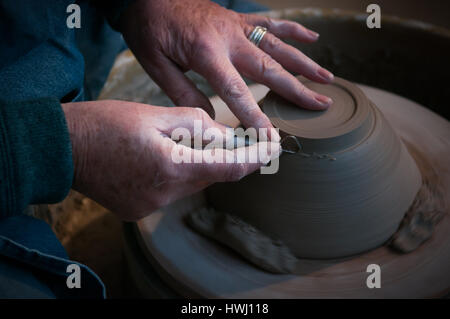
column 344, row 193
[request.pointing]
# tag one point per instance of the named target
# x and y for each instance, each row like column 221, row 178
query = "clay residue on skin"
column 427, row 209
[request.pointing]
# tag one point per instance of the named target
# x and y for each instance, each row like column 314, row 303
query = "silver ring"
column 257, row 34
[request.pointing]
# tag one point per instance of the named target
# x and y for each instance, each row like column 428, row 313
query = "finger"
column 222, row 165
column 261, row 67
column 282, row 28
column 195, row 120
column 230, row 86
column 294, row 60
column 176, row 85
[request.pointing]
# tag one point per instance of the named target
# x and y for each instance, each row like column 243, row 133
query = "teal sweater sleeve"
column 35, row 154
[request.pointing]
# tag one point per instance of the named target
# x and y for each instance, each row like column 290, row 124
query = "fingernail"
column 324, row 100
column 325, row 74
column 313, row 34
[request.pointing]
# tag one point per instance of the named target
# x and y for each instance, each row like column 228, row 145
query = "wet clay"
column 346, row 196
column 426, row 211
column 262, row 251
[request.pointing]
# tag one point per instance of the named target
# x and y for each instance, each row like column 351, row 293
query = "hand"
column 122, row 155
column 172, row 36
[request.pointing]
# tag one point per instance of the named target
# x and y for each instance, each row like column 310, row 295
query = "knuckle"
column 268, row 65
column 235, row 88
column 203, row 116
column 247, row 29
column 203, row 46
column 302, row 90
column 273, row 43
column 200, row 114
column 268, row 22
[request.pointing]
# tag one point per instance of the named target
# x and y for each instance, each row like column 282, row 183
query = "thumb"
column 223, row 165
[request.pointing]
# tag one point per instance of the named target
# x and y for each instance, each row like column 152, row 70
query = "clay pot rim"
column 358, row 119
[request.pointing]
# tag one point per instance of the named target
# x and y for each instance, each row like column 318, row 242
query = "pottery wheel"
column 196, row 266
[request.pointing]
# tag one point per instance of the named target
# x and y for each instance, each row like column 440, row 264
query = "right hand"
column 172, row 36
column 122, row 155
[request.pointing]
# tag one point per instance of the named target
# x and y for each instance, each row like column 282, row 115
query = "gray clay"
column 346, row 196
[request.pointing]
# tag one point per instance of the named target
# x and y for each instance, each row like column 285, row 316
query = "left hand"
column 123, row 155
column 172, row 36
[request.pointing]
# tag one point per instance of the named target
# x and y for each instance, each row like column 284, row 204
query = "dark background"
column 431, row 11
